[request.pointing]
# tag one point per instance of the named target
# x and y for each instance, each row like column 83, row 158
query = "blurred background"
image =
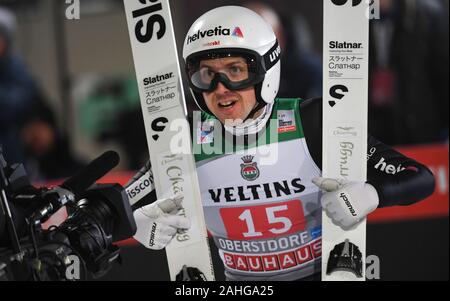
column 68, row 93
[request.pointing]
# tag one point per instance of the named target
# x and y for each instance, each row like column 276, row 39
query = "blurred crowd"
column 408, row 96
column 28, row 129
column 409, row 63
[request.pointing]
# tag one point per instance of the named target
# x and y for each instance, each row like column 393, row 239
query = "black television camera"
column 98, row 216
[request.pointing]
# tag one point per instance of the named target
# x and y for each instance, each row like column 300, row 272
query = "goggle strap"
column 272, row 56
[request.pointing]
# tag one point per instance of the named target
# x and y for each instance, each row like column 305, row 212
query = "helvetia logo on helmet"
column 237, row 33
column 217, row 31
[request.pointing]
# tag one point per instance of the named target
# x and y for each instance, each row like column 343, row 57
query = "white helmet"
column 233, row 31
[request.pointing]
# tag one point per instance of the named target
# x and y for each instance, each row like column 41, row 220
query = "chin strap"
column 252, row 113
column 251, row 126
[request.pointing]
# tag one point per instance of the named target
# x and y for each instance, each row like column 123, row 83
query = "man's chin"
column 233, row 122
column 228, row 118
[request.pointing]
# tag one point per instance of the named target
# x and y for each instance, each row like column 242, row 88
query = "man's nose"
column 221, row 89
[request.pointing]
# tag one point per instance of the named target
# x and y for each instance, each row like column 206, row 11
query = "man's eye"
column 235, row 69
column 207, row 72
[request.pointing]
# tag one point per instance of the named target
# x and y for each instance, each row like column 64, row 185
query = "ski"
column 345, row 92
column 162, row 101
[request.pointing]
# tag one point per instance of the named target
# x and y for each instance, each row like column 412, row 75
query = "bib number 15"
column 263, row 221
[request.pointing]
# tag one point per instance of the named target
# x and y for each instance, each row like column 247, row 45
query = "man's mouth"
column 227, row 103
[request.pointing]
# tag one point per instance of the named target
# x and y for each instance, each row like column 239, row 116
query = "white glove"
column 345, row 202
column 158, row 222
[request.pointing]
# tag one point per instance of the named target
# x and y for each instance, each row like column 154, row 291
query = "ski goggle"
column 236, row 69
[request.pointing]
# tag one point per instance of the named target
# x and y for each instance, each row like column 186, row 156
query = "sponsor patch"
column 274, row 262
column 205, row 132
column 249, row 169
column 286, row 121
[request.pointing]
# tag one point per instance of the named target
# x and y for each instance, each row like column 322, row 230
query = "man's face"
column 222, row 102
